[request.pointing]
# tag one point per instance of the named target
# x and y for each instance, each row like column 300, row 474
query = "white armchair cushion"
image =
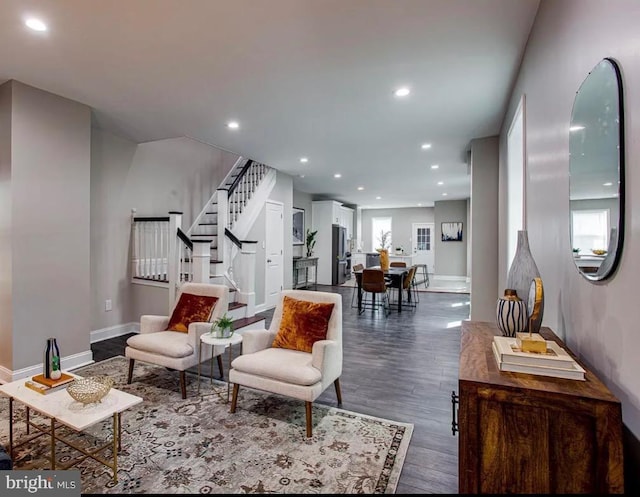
column 164, row 343
column 150, row 323
column 255, row 340
column 289, row 366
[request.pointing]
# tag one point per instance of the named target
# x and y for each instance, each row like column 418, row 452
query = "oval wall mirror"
column 596, row 172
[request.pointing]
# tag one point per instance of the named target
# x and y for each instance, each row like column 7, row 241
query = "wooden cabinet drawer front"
column 526, row 449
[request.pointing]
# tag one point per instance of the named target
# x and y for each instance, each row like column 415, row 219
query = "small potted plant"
column 222, row 327
column 311, row 241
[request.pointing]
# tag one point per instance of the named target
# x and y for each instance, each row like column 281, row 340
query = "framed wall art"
column 452, row 232
column 298, row 226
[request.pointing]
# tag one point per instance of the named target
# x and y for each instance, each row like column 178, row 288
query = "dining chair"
column 374, row 283
column 356, row 268
column 397, row 264
column 409, row 289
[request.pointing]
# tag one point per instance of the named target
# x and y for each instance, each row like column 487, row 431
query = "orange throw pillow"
column 303, row 323
column 191, row 309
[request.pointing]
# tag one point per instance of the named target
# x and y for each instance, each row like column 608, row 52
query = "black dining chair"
column 355, row 268
column 373, row 283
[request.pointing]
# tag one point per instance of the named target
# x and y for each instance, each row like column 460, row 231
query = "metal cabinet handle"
column 455, row 401
column 268, row 260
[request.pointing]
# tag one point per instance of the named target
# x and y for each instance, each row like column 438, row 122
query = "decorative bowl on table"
column 90, row 389
column 599, row 251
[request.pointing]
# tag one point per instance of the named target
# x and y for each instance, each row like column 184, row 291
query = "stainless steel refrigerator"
column 338, row 254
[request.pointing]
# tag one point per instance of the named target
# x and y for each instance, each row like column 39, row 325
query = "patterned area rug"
column 171, row 445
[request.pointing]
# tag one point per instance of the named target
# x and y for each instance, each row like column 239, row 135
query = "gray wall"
column 6, row 280
column 154, row 178
column 401, row 221
column 568, row 39
column 451, row 257
column 111, row 162
column 50, row 185
column 483, row 228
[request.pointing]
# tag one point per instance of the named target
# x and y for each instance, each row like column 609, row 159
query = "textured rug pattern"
column 171, row 445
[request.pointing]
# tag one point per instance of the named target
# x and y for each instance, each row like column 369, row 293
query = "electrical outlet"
column 107, row 305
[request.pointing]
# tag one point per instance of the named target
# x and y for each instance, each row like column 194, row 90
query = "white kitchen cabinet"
column 346, row 220
column 325, row 213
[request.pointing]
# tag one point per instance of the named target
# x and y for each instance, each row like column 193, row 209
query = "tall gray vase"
column 523, row 269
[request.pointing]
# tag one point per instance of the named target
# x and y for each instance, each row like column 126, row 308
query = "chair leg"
column 183, row 384
column 308, row 406
column 234, row 397
column 338, row 391
column 220, row 367
column 130, row 375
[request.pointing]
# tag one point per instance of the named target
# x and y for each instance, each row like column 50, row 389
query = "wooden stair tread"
column 242, row 322
column 236, row 305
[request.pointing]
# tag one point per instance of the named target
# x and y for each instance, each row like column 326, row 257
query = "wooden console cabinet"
column 523, row 433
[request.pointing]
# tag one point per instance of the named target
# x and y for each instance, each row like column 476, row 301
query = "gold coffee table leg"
column 11, row 427
column 116, row 444
column 53, row 443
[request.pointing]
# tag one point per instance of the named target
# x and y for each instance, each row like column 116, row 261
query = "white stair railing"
column 150, row 257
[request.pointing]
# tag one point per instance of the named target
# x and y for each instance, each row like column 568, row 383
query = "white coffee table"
column 206, row 338
column 61, row 409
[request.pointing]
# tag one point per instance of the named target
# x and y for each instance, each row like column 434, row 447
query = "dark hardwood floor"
column 403, row 367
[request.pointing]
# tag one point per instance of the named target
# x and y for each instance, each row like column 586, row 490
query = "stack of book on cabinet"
column 41, row 384
column 555, row 362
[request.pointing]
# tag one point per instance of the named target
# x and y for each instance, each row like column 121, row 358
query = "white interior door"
column 422, row 245
column 274, row 245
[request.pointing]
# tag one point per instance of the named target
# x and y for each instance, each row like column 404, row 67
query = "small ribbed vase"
column 511, row 314
column 523, row 269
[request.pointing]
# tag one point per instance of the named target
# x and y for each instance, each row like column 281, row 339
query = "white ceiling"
column 310, row 78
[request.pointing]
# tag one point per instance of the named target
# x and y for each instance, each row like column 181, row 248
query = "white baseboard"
column 67, row 363
column 114, row 331
column 444, row 277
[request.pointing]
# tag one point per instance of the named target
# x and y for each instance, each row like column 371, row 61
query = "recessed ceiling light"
column 435, row 166
column 360, row 188
column 444, row 194
column 337, row 175
column 576, row 128
column 35, row 24
column 233, row 125
column 304, row 160
column 607, row 184
column 378, row 198
column 440, row 183
column 402, row 92
column 301, row 176
column 425, row 146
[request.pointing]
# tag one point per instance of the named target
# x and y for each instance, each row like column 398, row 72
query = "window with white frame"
column 381, row 232
column 590, row 230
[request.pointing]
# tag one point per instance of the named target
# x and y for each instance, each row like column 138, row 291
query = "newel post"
column 223, row 220
column 173, row 256
column 246, row 271
column 201, row 261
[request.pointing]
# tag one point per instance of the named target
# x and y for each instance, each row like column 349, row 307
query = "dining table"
column 395, row 275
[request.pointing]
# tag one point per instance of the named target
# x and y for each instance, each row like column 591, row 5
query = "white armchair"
column 173, row 349
column 292, row 373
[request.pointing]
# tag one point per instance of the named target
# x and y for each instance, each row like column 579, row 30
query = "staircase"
column 213, row 249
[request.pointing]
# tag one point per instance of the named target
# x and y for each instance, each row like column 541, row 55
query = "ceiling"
column 303, row 78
